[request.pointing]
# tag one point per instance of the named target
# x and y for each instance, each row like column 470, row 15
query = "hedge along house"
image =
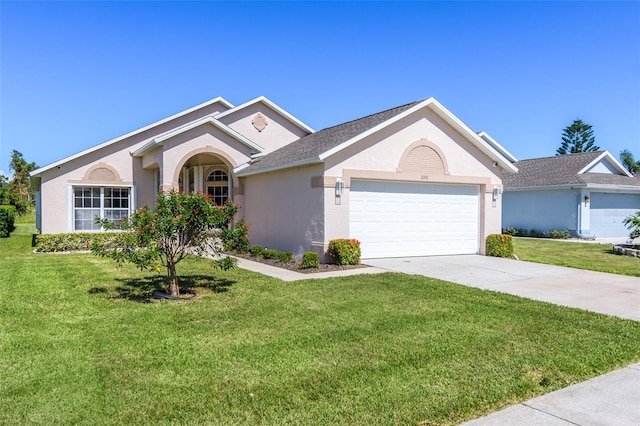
column 589, row 194
column 409, row 181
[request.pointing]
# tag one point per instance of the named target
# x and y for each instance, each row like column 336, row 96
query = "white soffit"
column 133, row 133
column 494, row 143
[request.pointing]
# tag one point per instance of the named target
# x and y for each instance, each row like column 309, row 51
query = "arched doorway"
column 209, row 173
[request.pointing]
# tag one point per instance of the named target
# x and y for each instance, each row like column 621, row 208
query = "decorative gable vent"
column 103, row 174
column 423, row 159
column 259, row 122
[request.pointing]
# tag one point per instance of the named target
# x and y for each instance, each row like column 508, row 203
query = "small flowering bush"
column 236, row 237
column 177, row 226
column 344, row 251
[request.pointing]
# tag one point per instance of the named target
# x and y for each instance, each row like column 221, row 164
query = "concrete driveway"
column 594, row 291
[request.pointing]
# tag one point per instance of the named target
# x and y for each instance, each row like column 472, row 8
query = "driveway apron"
column 609, row 294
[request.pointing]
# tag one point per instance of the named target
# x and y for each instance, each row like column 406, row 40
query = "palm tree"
column 626, row 157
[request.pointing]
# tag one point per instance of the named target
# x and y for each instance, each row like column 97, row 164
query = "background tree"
column 578, row 137
column 630, row 163
column 178, row 225
column 20, row 192
column 4, row 190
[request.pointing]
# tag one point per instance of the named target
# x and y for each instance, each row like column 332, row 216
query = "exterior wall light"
column 339, row 187
column 587, row 199
column 496, row 192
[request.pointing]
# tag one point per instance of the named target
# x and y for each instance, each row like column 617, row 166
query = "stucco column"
column 185, row 180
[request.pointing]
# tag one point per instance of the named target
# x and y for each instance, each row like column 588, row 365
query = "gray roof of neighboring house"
column 311, row 146
column 562, row 170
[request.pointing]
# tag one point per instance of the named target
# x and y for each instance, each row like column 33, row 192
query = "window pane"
column 85, row 219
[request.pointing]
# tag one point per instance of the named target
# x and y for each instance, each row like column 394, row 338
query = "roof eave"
column 446, row 115
column 207, row 120
column 128, row 135
column 611, row 159
column 314, row 160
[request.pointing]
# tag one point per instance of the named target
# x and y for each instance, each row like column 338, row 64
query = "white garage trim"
column 397, row 219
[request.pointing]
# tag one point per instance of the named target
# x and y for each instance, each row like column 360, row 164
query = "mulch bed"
column 294, row 266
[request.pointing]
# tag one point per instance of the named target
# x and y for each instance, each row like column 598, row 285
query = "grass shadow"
column 141, row 289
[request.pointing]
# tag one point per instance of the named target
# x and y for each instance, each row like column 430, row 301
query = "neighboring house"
column 589, row 194
column 408, row 181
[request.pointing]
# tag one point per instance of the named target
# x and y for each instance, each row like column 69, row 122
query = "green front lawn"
column 80, row 343
column 595, row 257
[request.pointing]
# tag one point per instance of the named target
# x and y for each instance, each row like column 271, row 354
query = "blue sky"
column 76, row 74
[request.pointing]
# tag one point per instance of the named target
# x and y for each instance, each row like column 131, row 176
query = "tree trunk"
column 174, row 290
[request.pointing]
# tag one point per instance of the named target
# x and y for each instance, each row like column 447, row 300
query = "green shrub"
column 270, row 253
column 7, row 219
column 226, row 263
column 256, row 250
column 236, row 237
column 344, row 251
column 285, row 256
column 310, row 259
column 559, row 235
column 77, row 241
column 500, row 245
column 510, row 231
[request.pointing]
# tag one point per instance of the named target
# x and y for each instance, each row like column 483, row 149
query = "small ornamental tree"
column 177, row 226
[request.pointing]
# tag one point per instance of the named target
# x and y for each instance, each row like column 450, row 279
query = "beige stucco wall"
column 284, row 211
column 278, row 132
column 54, row 183
column 205, row 139
column 378, row 157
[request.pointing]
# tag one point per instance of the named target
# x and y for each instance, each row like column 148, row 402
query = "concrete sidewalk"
column 610, row 399
column 288, row 275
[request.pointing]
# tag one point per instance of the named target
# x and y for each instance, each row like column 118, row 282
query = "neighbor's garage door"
column 609, row 210
column 396, row 219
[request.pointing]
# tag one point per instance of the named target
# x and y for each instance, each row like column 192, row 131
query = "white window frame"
column 71, row 224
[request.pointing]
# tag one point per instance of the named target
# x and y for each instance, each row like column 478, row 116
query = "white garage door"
column 608, row 210
column 397, row 219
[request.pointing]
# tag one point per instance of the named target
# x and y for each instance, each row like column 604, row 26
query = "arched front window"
column 218, row 186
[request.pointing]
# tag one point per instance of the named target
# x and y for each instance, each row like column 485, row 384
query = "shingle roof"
column 562, row 170
column 310, row 147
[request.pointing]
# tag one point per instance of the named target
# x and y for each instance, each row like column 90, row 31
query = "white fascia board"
column 484, row 135
column 241, row 167
column 207, row 120
column 611, row 159
column 313, row 160
column 133, row 133
column 614, row 188
column 443, row 113
column 271, row 105
column 480, row 143
column 545, row 187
